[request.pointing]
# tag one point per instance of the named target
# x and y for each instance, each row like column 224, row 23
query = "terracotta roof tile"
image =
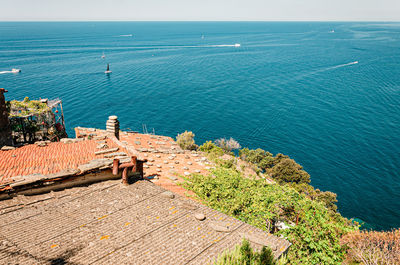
column 52, row 158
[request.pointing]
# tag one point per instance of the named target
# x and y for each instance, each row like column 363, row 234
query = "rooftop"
column 107, row 223
column 47, row 158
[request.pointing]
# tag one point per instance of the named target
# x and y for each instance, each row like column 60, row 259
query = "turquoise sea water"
column 292, row 88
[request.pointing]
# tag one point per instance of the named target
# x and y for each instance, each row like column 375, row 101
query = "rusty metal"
column 134, row 162
column 139, row 167
column 125, row 165
column 125, row 176
column 115, row 166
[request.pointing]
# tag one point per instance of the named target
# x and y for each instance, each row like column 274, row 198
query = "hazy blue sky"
column 365, row 10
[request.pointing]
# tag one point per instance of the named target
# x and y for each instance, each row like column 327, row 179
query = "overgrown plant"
column 186, row 141
column 258, row 157
column 373, row 248
column 244, row 255
column 286, row 171
column 26, row 107
column 315, row 231
column 213, row 151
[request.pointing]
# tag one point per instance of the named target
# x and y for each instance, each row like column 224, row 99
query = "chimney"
column 5, row 130
column 112, row 126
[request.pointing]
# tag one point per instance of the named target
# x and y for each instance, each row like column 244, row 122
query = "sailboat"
column 108, row 71
column 103, row 56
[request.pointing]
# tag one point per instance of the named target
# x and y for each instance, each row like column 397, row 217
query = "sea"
column 325, row 93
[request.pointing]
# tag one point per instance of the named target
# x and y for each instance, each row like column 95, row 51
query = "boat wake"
column 343, row 65
column 127, row 35
column 223, row 45
column 13, row 71
column 318, row 71
column 334, row 67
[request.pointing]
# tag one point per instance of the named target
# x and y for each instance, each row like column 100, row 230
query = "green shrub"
column 287, row 170
column 245, row 255
column 317, row 230
column 186, row 141
column 229, row 163
column 213, row 151
column 258, row 157
column 207, row 147
column 326, row 197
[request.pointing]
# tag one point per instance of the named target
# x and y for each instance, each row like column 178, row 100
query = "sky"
column 199, row 10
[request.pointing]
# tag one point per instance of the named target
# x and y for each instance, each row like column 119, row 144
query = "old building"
column 5, row 130
column 52, row 216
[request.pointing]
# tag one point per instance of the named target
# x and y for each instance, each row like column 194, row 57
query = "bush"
column 186, row 141
column 207, row 147
column 245, row 255
column 258, row 157
column 227, row 145
column 326, row 197
column 287, row 170
column 229, row 163
column 372, row 247
column 316, row 236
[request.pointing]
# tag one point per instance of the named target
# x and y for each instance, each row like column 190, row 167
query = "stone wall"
column 5, row 131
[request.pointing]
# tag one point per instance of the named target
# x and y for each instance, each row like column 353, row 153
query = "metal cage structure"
column 30, row 124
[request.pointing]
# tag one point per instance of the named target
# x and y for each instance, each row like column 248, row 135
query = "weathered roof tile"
column 55, row 157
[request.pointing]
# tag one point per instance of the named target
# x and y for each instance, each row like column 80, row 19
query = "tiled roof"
column 52, row 158
column 107, row 223
column 166, row 162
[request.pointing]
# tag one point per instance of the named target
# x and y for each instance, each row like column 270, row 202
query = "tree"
column 287, row 170
column 258, row 157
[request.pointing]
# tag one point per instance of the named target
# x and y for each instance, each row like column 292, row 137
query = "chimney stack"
column 5, row 130
column 112, row 126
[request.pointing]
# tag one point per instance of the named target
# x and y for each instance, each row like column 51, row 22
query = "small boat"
column 332, row 31
column 237, row 45
column 108, row 69
column 15, row 70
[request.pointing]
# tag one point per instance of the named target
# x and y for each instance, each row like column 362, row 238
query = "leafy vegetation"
column 186, row 141
column 211, row 148
column 286, row 171
column 315, row 230
column 372, row 247
column 26, row 107
column 245, row 255
column 258, row 157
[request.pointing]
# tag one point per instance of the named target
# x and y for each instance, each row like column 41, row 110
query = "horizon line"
column 390, row 21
